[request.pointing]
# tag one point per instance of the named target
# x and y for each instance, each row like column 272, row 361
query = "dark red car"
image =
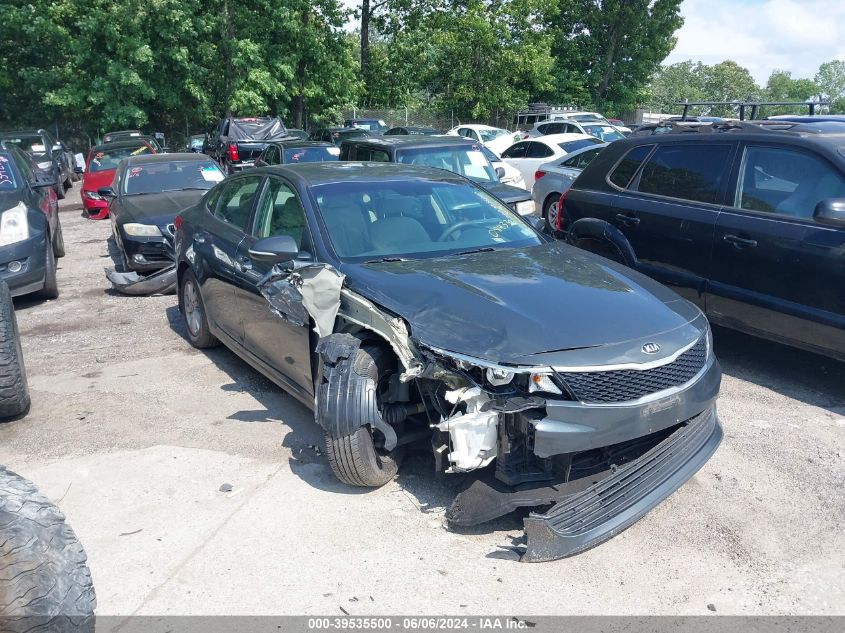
column 100, row 169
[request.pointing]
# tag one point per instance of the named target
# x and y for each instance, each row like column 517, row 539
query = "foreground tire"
column 45, row 583
column 14, row 392
column 354, row 458
column 193, row 310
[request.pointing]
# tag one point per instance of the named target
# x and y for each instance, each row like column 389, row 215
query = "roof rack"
column 687, row 127
column 744, row 105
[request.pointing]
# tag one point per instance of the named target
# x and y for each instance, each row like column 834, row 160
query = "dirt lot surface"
column 133, row 432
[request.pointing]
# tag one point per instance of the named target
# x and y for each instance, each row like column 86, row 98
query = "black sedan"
column 296, row 150
column 147, row 193
column 30, row 232
column 406, row 303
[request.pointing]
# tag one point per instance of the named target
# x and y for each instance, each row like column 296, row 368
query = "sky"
column 762, row 35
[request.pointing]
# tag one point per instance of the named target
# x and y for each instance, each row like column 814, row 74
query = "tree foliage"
column 831, row 83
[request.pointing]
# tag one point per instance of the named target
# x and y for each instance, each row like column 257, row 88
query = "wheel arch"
column 603, row 231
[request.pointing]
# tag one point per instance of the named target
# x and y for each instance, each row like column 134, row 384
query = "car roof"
column 299, row 142
column 408, row 140
column 18, row 133
column 311, row 174
column 478, row 126
column 123, row 132
column 554, row 139
column 134, row 142
column 144, row 159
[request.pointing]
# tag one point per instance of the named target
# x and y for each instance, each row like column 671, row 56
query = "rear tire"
column 550, row 211
column 193, row 310
column 51, row 282
column 45, row 583
column 14, row 392
column 354, row 458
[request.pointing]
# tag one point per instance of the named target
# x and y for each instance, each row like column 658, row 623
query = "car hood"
column 156, row 208
column 93, row 180
column 530, row 306
column 506, row 193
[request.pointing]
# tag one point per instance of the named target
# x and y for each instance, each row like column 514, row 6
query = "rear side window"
column 785, row 181
column 538, row 150
column 581, row 160
column 629, row 165
column 688, row 172
column 515, row 151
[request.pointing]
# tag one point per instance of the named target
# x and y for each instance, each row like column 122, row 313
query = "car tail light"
column 538, row 174
column 177, row 222
column 559, row 221
column 233, row 152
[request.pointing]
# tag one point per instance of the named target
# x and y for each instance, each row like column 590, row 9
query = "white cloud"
column 762, row 35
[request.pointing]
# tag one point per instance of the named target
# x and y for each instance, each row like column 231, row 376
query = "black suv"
column 746, row 220
column 452, row 153
column 48, row 154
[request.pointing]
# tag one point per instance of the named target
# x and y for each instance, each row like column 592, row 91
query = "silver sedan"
column 553, row 178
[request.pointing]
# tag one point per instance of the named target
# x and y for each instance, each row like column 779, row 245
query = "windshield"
column 373, row 126
column 108, row 159
column 310, row 154
column 32, row 145
column 491, row 134
column 359, row 133
column 171, row 176
column 416, row 219
column 7, row 176
column 571, row 146
column 468, row 160
column 606, row 133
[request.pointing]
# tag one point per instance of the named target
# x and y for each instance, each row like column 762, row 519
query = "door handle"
column 242, row 264
column 627, row 220
column 740, row 242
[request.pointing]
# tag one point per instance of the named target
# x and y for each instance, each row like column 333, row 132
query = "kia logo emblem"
column 651, row 348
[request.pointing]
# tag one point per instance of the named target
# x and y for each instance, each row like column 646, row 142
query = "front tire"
column 45, row 583
column 59, row 239
column 51, row 282
column 193, row 309
column 352, row 387
column 14, row 392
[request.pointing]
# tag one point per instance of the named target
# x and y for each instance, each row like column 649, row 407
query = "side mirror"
column 107, row 192
column 830, row 211
column 274, row 250
column 500, row 172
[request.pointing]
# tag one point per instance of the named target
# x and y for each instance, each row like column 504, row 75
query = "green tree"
column 831, row 83
column 607, row 50
column 728, row 81
column 684, row 81
column 782, row 87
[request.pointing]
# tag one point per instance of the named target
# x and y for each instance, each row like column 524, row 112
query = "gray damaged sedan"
column 407, row 305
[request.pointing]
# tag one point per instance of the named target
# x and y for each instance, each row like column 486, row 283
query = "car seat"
column 347, row 228
column 398, row 234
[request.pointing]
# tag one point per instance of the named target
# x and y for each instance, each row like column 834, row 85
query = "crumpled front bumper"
column 608, row 507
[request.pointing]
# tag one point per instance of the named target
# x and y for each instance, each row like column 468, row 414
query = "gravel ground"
column 133, row 432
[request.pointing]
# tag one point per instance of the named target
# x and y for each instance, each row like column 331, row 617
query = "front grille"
column 623, row 385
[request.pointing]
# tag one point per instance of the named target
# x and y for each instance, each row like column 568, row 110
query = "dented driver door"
column 283, row 344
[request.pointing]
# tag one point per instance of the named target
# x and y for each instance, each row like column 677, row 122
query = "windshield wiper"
column 483, row 249
column 386, row 259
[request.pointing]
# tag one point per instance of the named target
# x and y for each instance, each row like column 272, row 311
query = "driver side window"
column 281, row 213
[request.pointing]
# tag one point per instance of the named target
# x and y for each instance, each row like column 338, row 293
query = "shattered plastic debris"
column 311, row 290
column 162, row 282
